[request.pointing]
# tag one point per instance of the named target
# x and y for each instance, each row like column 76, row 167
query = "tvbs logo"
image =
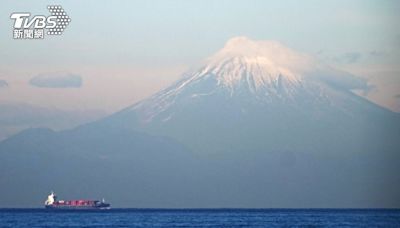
column 27, row 27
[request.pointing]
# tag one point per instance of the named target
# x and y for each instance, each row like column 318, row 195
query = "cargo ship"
column 53, row 203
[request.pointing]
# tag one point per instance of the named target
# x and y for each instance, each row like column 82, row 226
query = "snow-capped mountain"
column 255, row 65
column 264, row 69
column 255, row 74
column 257, row 125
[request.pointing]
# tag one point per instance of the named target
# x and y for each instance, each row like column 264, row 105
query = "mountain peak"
column 266, row 50
column 257, row 63
column 252, row 71
column 245, row 46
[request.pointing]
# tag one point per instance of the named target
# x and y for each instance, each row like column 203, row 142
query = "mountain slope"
column 258, row 125
column 260, row 92
column 15, row 117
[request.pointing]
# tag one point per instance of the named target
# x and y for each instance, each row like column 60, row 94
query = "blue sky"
column 133, row 48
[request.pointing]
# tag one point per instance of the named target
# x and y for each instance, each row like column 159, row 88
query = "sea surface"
column 201, row 218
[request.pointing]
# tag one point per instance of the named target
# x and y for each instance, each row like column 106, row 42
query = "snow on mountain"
column 259, row 63
column 265, row 71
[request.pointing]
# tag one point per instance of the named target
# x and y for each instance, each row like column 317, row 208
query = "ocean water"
column 201, row 218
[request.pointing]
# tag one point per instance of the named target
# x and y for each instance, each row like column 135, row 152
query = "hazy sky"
column 127, row 50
